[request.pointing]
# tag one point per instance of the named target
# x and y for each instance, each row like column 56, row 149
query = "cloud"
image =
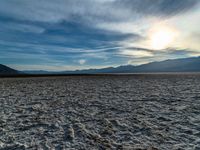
column 140, row 55
column 135, row 53
column 82, row 61
column 57, row 41
column 56, row 11
column 91, row 10
column 179, row 52
column 157, row 7
column 100, row 31
column 17, row 27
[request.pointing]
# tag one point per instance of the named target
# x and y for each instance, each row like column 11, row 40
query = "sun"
column 162, row 37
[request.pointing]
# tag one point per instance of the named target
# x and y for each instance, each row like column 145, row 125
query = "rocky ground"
column 101, row 112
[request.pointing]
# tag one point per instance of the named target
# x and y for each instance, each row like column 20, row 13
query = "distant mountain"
column 172, row 65
column 39, row 72
column 4, row 70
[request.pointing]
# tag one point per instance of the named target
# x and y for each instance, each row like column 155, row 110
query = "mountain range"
column 172, row 65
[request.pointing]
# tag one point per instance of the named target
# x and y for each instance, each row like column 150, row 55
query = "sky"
column 59, row 35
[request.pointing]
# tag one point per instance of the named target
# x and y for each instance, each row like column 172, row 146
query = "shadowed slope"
column 4, row 70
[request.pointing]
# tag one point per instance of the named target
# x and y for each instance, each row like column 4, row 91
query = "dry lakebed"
column 125, row 112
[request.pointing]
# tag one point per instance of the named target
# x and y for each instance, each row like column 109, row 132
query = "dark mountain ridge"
column 4, row 70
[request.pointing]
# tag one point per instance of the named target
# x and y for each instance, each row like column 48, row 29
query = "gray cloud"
column 55, row 11
column 151, row 54
column 157, row 7
column 91, row 10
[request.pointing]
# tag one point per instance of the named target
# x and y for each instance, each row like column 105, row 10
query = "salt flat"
column 101, row 112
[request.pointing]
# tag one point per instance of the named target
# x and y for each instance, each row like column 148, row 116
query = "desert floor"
column 101, row 112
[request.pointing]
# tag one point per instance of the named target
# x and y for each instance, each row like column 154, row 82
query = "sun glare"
column 162, row 37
